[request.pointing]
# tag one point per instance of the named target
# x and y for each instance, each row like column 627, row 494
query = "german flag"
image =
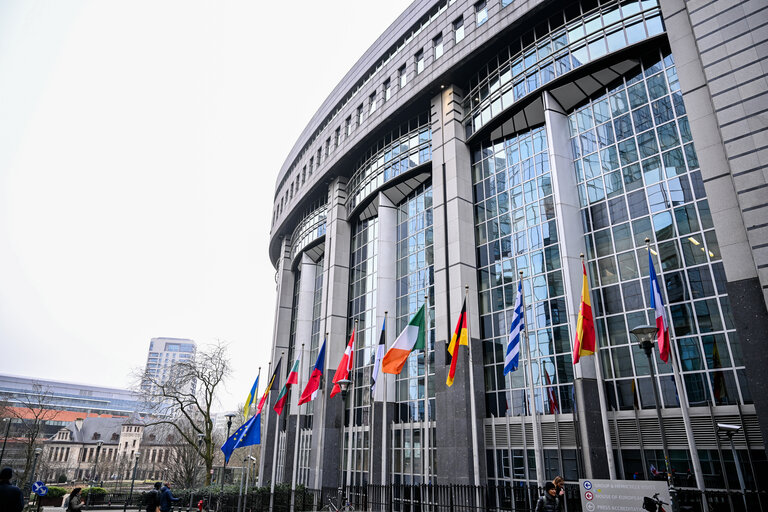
column 269, row 386
column 459, row 338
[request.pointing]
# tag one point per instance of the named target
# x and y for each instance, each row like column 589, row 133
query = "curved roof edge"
column 393, row 32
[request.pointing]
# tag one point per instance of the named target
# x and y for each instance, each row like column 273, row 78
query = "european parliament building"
column 477, row 140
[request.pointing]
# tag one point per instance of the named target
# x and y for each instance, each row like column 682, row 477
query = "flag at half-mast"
column 313, row 384
column 345, row 365
column 551, row 394
column 657, row 304
column 249, row 401
column 584, row 344
column 272, row 381
column 381, row 348
column 293, row 378
column 412, row 338
column 459, row 338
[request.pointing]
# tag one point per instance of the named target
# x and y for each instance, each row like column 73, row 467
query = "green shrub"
column 97, row 491
column 56, row 492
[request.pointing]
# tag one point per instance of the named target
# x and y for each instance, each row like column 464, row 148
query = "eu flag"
column 249, row 433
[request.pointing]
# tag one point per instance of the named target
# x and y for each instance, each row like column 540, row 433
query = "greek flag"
column 511, row 360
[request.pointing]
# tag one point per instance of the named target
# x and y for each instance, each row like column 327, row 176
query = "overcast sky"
column 139, row 146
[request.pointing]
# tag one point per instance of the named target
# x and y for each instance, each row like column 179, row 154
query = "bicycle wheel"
column 328, row 508
column 348, row 508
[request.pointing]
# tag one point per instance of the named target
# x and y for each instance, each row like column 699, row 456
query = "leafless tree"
column 186, row 399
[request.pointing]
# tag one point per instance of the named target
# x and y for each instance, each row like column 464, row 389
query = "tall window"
column 360, row 114
column 327, row 147
column 387, row 89
column 419, row 58
column 403, row 76
column 372, row 103
column 458, row 29
column 437, row 44
column 481, row 12
column 337, row 137
column 348, row 126
column 319, row 156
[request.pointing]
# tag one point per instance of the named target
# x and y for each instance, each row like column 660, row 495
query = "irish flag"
column 293, row 378
column 412, row 338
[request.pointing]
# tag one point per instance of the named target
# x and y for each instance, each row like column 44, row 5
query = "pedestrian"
column 153, row 498
column 559, row 490
column 548, row 501
column 11, row 497
column 167, row 498
column 75, row 503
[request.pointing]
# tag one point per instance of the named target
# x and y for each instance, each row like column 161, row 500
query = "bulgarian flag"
column 584, row 344
column 293, row 378
column 412, row 338
column 345, row 365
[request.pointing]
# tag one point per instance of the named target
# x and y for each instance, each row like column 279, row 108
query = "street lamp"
column 93, row 474
column 133, row 477
column 344, row 386
column 5, row 439
column 38, row 451
column 729, row 431
column 645, row 334
column 224, row 469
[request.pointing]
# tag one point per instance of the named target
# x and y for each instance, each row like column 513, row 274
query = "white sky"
column 139, row 146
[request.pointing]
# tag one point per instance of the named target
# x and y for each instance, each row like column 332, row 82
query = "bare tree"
column 186, row 398
column 29, row 413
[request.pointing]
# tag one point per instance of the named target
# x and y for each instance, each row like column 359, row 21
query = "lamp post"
column 133, row 477
column 93, row 473
column 194, row 473
column 344, row 386
column 224, row 468
column 729, row 431
column 5, row 439
column 38, row 451
column 645, row 334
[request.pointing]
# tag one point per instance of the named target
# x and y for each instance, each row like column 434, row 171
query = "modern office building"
column 477, row 140
column 163, row 354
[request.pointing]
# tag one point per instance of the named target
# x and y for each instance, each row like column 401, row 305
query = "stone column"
column 328, row 421
column 571, row 236
column 304, row 303
column 455, row 267
column 386, row 300
column 280, row 337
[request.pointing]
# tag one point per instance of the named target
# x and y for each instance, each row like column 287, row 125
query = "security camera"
column 728, row 428
column 252, row 458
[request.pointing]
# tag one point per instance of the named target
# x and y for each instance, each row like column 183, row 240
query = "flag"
column 657, row 304
column 512, row 358
column 412, row 338
column 274, row 379
column 380, row 349
column 249, row 433
column 584, row 344
column 654, row 471
column 551, row 394
column 313, row 384
column 345, row 365
column 250, row 399
column 459, row 338
column 293, row 378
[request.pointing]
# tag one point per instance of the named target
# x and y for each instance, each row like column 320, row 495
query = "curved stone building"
column 477, row 140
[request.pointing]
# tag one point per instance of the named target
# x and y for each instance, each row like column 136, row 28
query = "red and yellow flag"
column 584, row 344
column 459, row 338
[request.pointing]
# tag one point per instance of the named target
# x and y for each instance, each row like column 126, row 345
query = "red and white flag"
column 345, row 365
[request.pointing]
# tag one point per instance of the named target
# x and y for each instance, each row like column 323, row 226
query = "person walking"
column 559, row 491
column 548, row 501
column 11, row 497
column 167, row 498
column 153, row 498
column 75, row 503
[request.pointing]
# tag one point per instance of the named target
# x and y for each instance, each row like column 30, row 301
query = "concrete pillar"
column 731, row 173
column 280, row 338
column 571, row 236
column 455, row 267
column 328, row 421
column 386, row 300
column 304, row 303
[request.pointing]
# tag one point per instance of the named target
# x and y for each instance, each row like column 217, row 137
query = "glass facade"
column 638, row 177
column 415, row 280
column 310, row 228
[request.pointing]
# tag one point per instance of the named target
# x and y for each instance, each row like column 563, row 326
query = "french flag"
column 313, row 385
column 657, row 304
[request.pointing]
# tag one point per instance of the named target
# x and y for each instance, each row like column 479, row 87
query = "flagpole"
column 601, row 400
column 682, row 393
column 274, row 454
column 384, row 416
column 297, row 439
column 351, row 412
column 472, row 407
column 537, row 453
column 322, row 388
column 427, row 427
column 266, row 423
column 250, row 451
column 370, row 431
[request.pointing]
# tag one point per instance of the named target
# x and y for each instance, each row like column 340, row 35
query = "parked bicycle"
column 332, row 507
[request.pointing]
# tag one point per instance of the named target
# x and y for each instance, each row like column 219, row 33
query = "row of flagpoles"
column 414, row 337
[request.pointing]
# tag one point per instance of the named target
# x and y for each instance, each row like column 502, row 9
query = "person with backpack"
column 548, row 501
column 75, row 503
column 167, row 498
column 153, row 498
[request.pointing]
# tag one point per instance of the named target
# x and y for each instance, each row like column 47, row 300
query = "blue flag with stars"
column 249, row 433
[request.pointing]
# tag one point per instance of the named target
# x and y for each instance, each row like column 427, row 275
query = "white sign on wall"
column 620, row 495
